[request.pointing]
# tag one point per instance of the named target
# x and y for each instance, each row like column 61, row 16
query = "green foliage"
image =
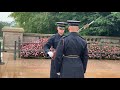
column 107, row 23
column 2, row 24
column 42, row 23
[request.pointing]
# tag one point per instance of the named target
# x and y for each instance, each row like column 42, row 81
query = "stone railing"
column 10, row 35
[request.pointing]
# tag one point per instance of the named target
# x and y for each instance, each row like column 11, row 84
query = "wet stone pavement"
column 40, row 68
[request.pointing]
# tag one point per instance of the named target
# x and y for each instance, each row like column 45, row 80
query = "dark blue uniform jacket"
column 71, row 56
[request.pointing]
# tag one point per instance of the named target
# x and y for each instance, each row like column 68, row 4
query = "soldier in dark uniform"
column 71, row 54
column 53, row 42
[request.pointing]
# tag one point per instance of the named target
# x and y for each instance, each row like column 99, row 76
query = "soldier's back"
column 72, row 63
column 74, row 44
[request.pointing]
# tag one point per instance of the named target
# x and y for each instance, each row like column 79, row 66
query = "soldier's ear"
column 68, row 28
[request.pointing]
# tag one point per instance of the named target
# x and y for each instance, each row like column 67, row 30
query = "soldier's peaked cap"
column 73, row 22
column 61, row 24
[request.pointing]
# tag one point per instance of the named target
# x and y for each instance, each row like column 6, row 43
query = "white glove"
column 50, row 54
column 1, row 55
column 58, row 73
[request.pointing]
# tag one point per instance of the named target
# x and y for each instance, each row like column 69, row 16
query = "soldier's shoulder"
column 82, row 37
column 53, row 36
column 65, row 36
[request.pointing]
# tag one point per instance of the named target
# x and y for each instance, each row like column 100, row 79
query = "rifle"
column 87, row 25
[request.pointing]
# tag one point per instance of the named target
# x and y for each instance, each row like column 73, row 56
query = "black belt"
column 72, row 56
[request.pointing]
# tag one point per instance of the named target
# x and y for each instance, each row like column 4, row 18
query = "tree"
column 44, row 22
column 106, row 25
column 2, row 24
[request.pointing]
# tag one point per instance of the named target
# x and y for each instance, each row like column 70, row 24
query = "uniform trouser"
column 53, row 73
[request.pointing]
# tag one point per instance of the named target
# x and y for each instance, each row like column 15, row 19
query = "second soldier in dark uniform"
column 53, row 42
column 71, row 54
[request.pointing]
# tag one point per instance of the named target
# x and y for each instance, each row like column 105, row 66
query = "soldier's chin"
column 61, row 34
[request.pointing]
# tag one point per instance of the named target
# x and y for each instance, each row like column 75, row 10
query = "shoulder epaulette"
column 81, row 36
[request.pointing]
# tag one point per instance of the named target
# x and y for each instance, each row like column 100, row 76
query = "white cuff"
column 50, row 54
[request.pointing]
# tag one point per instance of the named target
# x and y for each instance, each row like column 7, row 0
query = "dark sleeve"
column 85, row 57
column 59, row 56
column 48, row 45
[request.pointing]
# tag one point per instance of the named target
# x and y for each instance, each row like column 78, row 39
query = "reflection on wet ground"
column 40, row 68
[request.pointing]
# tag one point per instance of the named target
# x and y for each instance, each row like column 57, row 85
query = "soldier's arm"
column 85, row 58
column 59, row 55
column 48, row 45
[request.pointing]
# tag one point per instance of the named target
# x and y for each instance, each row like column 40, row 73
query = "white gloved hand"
column 58, row 73
column 2, row 57
column 50, row 54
